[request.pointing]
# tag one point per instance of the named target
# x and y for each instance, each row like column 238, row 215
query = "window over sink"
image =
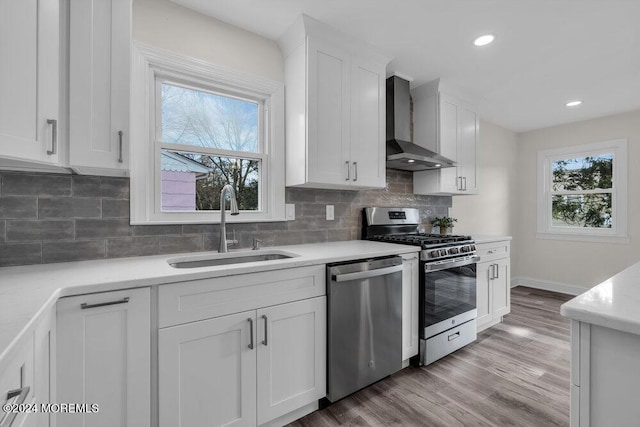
column 197, row 127
column 582, row 192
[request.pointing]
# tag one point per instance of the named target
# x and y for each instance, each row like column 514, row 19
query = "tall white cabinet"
column 103, row 357
column 29, row 81
column 99, row 69
column 450, row 127
column 335, row 109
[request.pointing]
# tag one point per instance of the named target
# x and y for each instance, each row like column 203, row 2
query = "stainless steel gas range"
column 447, row 279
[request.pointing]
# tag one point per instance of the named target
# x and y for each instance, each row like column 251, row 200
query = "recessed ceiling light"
column 484, row 40
column 437, row 165
column 410, row 161
column 574, row 103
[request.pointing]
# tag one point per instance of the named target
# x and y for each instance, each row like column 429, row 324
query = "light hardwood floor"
column 515, row 374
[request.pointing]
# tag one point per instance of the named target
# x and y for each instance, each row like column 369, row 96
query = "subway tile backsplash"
column 47, row 218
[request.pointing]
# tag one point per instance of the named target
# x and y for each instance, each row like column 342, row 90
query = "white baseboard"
column 563, row 288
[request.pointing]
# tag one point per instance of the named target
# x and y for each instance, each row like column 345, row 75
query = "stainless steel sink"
column 228, row 259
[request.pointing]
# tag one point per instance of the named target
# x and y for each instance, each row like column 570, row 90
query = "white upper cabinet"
column 99, row 63
column 29, row 81
column 448, row 126
column 335, row 109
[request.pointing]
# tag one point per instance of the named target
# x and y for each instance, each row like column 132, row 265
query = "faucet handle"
column 256, row 244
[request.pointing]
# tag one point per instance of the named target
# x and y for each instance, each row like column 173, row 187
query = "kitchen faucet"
column 222, row 248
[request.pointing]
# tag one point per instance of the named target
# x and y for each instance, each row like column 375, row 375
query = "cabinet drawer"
column 494, row 250
column 203, row 299
column 16, row 372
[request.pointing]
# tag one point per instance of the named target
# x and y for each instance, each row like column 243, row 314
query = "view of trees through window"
column 193, row 180
column 581, row 193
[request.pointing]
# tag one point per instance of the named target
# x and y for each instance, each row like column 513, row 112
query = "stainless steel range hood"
column 401, row 152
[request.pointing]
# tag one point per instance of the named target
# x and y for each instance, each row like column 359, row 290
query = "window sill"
column 624, row 240
column 214, row 220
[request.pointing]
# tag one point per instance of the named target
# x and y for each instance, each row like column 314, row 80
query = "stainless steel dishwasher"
column 364, row 323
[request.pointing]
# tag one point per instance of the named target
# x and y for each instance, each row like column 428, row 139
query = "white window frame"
column 618, row 232
column 150, row 66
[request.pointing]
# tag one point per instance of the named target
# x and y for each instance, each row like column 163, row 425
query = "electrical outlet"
column 330, row 216
column 290, row 211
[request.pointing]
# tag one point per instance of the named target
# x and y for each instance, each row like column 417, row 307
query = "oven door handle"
column 452, row 264
column 366, row 274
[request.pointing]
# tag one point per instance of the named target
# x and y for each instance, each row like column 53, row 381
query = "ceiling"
column 546, row 52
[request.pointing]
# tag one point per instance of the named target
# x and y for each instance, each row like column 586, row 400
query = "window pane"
column 583, row 173
column 202, row 119
column 192, row 182
column 582, row 210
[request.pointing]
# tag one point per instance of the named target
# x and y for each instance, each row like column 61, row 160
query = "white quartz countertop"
column 485, row 238
column 27, row 291
column 614, row 303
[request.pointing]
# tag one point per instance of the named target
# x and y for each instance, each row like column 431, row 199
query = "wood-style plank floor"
column 515, row 374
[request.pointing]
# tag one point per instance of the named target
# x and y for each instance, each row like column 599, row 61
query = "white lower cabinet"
column 243, row 369
column 605, row 372
column 103, row 358
column 493, row 283
column 25, row 374
column 410, row 305
column 207, row 372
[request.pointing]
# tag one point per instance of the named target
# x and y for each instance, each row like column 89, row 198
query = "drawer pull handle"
column 264, row 316
column 54, row 136
column 250, row 320
column 454, row 336
column 85, row 306
column 491, row 251
column 21, row 394
column 119, row 146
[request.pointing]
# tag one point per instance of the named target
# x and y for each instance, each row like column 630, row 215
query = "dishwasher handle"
column 366, row 274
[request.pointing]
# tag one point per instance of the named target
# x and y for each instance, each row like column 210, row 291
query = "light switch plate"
column 290, row 211
column 330, row 216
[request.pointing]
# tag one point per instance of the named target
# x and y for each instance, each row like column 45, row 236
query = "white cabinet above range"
column 450, row 127
column 335, row 109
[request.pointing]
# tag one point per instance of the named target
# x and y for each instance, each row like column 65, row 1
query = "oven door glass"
column 448, row 293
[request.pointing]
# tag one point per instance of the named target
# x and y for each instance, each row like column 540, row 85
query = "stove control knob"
column 434, row 254
column 464, row 249
column 453, row 251
column 472, row 248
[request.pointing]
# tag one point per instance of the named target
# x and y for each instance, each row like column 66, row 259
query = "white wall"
column 166, row 25
column 577, row 264
column 493, row 210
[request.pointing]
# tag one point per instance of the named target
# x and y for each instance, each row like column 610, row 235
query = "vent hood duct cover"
column 401, row 152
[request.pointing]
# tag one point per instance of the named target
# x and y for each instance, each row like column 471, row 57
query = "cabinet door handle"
column 119, row 146
column 497, row 271
column 21, row 394
column 355, row 171
column 491, row 272
column 85, row 306
column 250, row 332
column 264, row 316
column 464, row 178
column 348, row 171
column 460, row 186
column 54, row 136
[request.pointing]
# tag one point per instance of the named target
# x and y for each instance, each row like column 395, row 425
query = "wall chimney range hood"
column 401, row 152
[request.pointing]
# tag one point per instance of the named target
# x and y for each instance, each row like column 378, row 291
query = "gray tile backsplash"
column 48, row 218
